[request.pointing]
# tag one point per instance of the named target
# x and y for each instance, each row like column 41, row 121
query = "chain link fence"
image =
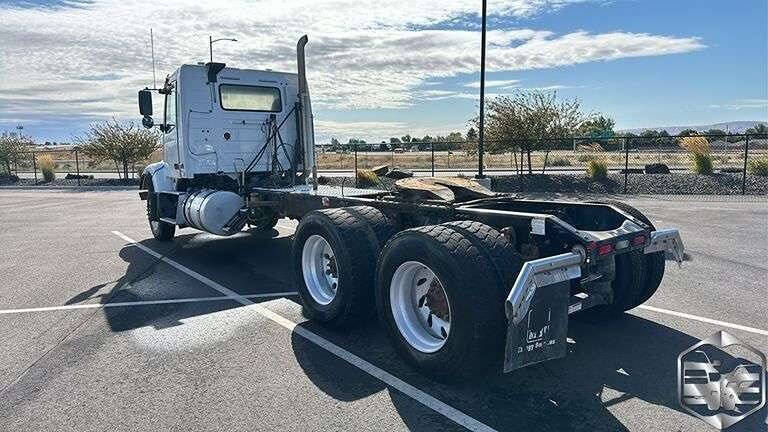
column 623, row 155
column 74, row 163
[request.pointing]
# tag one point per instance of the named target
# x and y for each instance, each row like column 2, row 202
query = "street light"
column 211, row 40
column 480, row 142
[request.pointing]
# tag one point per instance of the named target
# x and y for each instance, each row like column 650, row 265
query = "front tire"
column 438, row 298
column 161, row 231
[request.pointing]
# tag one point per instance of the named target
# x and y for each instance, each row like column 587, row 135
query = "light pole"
column 480, row 143
column 211, row 40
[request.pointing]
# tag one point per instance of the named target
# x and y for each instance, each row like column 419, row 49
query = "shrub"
column 597, row 170
column 758, row 166
column 695, row 144
column 366, row 178
column 702, row 163
column 699, row 149
column 559, row 161
column 585, row 158
column 46, row 164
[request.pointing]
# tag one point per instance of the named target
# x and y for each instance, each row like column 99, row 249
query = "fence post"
column 77, row 166
column 432, row 149
column 626, row 163
column 34, row 166
column 355, row 148
column 744, row 173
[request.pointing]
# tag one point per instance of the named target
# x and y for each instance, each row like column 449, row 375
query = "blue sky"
column 407, row 66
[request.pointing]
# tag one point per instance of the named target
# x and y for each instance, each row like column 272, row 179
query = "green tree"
column 758, row 129
column 122, row 143
column 716, row 133
column 688, row 132
column 472, row 134
column 525, row 118
column 406, row 139
column 11, row 149
column 598, row 126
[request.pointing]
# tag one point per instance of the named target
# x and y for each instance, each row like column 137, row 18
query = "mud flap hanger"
column 667, row 240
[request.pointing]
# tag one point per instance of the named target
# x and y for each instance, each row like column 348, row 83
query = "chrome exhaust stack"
column 307, row 128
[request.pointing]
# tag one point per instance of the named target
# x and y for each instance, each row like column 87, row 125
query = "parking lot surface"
column 104, row 328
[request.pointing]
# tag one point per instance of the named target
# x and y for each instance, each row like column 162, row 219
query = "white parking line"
column 143, row 303
column 704, row 319
column 414, row 393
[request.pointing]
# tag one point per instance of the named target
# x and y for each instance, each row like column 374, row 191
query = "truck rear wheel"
column 637, row 276
column 438, row 297
column 161, row 231
column 334, row 255
column 653, row 264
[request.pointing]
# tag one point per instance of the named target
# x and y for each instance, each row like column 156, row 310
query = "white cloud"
column 743, row 104
column 374, row 131
column 494, row 83
column 89, row 60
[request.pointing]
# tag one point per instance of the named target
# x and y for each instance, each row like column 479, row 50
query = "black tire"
column 380, row 225
column 496, row 248
column 460, row 261
column 161, row 231
column 637, row 276
column 355, row 256
column 654, row 263
column 627, row 286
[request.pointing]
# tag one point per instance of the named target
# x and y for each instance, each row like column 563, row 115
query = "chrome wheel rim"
column 420, row 306
column 320, row 269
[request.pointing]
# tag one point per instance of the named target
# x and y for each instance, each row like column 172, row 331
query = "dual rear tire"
column 439, row 290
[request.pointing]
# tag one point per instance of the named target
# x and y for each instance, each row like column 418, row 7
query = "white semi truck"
column 464, row 280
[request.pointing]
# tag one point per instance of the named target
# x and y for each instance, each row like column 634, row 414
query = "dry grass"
column 758, row 166
column 702, row 163
column 367, row 178
column 597, row 170
column 695, row 145
column 47, row 166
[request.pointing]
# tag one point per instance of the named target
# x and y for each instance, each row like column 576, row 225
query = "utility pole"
column 211, row 41
column 480, row 143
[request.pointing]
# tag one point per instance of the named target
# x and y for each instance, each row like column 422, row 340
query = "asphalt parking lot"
column 103, row 328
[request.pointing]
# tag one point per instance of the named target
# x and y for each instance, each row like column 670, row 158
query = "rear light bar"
column 604, row 249
column 637, row 241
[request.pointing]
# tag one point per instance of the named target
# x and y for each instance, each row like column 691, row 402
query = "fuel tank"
column 211, row 211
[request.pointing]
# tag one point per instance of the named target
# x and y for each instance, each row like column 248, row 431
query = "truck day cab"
column 464, row 280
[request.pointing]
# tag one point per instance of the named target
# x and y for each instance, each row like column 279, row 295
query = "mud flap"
column 537, row 311
column 542, row 334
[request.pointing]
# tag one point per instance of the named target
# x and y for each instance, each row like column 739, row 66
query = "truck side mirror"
column 145, row 102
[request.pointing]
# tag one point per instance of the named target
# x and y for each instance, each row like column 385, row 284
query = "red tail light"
column 605, row 249
column 638, row 240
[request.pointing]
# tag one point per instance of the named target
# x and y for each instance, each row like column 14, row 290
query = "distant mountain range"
column 733, row 127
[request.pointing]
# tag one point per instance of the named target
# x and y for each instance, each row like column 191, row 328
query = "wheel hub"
column 320, row 269
column 420, row 306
